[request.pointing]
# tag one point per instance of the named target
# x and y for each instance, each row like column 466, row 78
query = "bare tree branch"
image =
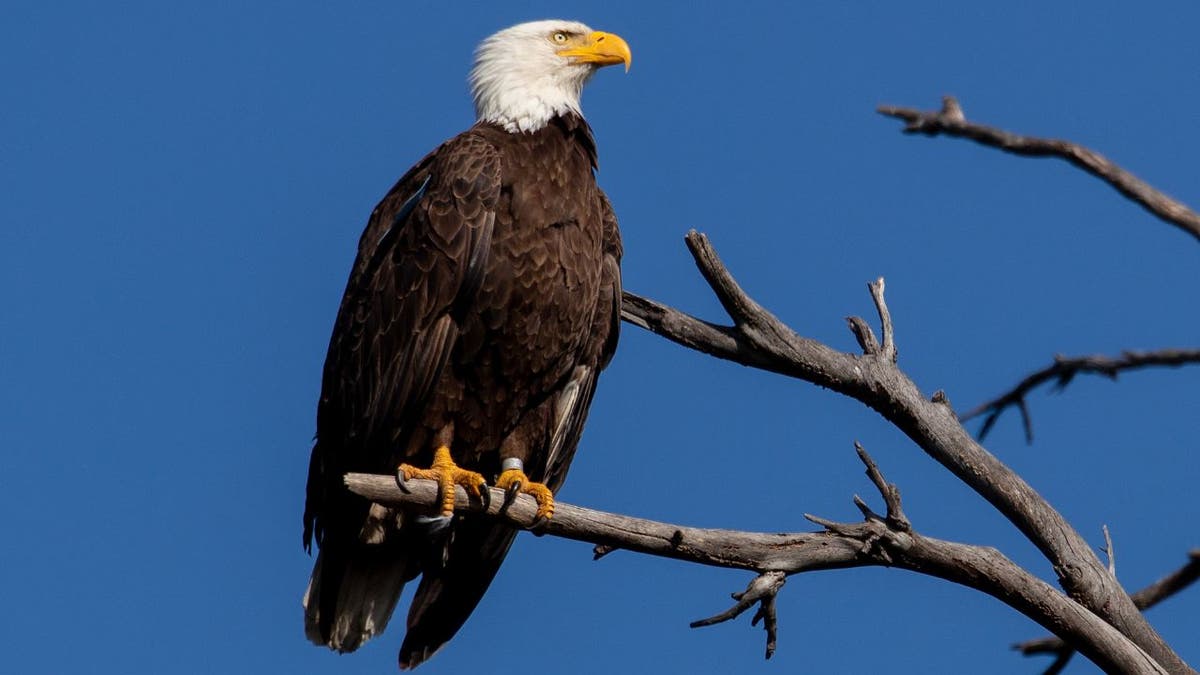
column 950, row 121
column 774, row 556
column 1060, row 663
column 1063, row 371
column 761, row 340
column 1170, row 584
column 1145, row 599
column 1110, row 551
column 888, row 348
column 762, row 589
column 895, row 517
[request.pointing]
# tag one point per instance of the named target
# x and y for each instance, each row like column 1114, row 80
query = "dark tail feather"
column 352, row 594
column 447, row 596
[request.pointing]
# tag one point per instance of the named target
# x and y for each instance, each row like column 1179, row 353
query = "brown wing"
column 574, row 400
column 420, row 261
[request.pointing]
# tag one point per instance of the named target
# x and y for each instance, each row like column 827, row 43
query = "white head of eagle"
column 529, row 73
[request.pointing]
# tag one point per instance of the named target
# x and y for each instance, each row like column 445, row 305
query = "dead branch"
column 1059, row 664
column 1145, row 599
column 759, row 339
column 762, row 589
column 1063, row 371
column 775, row 556
column 1110, row 551
column 950, row 121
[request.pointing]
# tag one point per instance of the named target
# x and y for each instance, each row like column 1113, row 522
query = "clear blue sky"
column 183, row 185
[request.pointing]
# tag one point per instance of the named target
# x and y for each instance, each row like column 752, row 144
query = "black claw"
column 485, row 496
column 511, row 492
column 538, row 524
column 402, row 482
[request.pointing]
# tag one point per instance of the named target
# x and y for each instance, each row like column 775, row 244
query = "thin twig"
column 863, row 334
column 888, row 348
column 601, row 550
column 1110, row 551
column 950, row 121
column 762, row 589
column 1170, row 584
column 1060, row 663
column 1063, row 371
column 890, row 493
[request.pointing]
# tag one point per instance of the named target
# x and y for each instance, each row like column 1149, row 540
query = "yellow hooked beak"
column 604, row 49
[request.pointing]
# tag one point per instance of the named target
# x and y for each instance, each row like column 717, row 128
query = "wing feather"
column 420, row 263
column 396, row 325
column 575, row 399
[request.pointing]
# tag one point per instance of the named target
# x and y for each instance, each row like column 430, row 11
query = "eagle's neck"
column 525, row 110
column 523, row 96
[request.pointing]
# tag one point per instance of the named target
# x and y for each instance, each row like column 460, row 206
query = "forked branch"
column 950, row 121
column 873, row 542
column 759, row 339
column 762, row 590
column 1145, row 599
column 1063, row 371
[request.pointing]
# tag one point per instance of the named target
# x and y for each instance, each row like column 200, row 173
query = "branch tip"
column 1026, row 421
column 1060, row 662
column 866, row 510
column 951, row 110
column 863, row 334
column 830, row 525
column 888, row 348
column 890, row 493
column 1109, row 551
column 733, row 299
column 762, row 589
column 601, row 550
column 1062, row 372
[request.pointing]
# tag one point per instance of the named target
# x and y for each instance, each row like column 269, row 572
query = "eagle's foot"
column 514, row 482
column 447, row 474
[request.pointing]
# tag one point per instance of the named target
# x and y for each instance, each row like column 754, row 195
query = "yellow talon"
column 541, row 493
column 447, row 474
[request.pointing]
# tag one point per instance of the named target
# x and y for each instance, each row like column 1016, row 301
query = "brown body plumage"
column 484, row 301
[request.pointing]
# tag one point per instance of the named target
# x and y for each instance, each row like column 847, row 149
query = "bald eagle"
column 482, row 306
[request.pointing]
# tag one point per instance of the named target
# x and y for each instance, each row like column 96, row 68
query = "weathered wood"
column 1145, row 599
column 788, row 552
column 869, row 543
column 759, row 339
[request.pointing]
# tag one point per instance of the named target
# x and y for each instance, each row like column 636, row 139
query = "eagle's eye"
column 559, row 37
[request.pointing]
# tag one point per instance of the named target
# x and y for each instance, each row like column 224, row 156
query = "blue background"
column 183, row 186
